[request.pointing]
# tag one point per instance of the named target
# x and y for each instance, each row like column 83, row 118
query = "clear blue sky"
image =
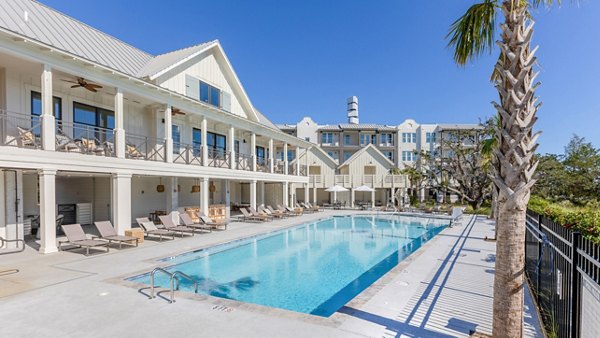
column 298, row 58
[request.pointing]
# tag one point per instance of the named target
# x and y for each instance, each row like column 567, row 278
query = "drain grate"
column 222, row 308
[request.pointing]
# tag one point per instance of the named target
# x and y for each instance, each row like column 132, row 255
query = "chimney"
column 353, row 110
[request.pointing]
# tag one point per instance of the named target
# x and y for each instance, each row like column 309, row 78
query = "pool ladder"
column 173, row 283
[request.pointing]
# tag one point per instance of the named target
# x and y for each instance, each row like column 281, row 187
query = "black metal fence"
column 557, row 259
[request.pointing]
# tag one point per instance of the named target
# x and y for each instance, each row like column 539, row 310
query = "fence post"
column 575, row 285
column 538, row 279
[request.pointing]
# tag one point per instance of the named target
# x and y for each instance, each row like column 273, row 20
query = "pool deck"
column 444, row 289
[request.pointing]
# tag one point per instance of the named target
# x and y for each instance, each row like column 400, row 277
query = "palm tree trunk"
column 515, row 165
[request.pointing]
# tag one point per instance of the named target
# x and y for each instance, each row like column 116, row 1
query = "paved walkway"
column 442, row 290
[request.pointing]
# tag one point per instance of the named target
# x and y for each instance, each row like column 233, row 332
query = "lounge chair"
column 249, row 217
column 107, row 232
column 260, row 214
column 76, row 236
column 269, row 213
column 276, row 212
column 189, row 222
column 209, row 222
column 168, row 223
column 294, row 211
column 151, row 229
column 456, row 215
column 313, row 207
column 286, row 211
column 306, row 208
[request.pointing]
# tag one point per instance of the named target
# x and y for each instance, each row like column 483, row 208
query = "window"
column 93, row 116
column 196, row 141
column 347, row 155
column 430, row 138
column 387, row 138
column 389, row 155
column 408, row 156
column 333, row 154
column 210, row 94
column 327, row 138
column 365, row 139
column 176, row 136
column 408, row 137
column 36, row 105
column 307, row 139
column 260, row 154
column 290, row 155
column 347, row 139
column 216, row 143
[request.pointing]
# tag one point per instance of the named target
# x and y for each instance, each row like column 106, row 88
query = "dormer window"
column 210, row 94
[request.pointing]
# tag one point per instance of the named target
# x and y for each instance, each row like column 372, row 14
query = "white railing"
column 343, row 180
column 187, row 154
column 85, row 139
column 139, row 147
column 315, row 179
column 20, row 130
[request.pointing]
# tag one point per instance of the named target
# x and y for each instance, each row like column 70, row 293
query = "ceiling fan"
column 176, row 111
column 81, row 82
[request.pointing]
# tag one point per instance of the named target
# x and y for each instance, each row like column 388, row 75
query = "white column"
column 253, row 150
column 204, row 132
column 227, row 199
column 373, row 198
column 205, row 195
column 231, row 146
column 47, row 117
column 253, row 194
column 172, row 194
column 292, row 192
column 315, row 195
column 261, row 188
column 168, row 135
column 271, row 156
column 284, row 194
column 119, row 124
column 47, row 211
column 352, row 194
column 121, row 202
column 285, row 158
column 297, row 161
column 306, row 193
column 306, row 160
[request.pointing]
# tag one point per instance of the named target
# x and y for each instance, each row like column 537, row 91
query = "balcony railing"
column 342, row 180
column 395, row 179
column 243, row 162
column 218, row 158
column 262, row 165
column 20, row 130
column 369, row 180
column 303, row 170
column 279, row 167
column 187, row 154
column 291, row 169
column 315, row 179
column 85, row 139
column 144, row 148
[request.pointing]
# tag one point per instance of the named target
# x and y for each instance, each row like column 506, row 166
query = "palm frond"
column 473, row 33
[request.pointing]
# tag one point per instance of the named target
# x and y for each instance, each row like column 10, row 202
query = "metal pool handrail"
column 172, row 277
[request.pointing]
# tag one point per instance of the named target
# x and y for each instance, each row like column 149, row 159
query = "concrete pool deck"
column 442, row 290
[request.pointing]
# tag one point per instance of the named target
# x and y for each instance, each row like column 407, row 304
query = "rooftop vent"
column 353, row 110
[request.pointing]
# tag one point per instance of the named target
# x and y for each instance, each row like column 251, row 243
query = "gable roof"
column 323, row 152
column 363, row 150
column 39, row 22
column 165, row 62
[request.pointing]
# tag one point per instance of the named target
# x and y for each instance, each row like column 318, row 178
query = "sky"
column 305, row 57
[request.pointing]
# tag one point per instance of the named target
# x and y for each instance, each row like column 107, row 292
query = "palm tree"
column 514, row 78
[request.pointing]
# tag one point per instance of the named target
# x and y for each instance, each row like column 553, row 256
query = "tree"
column 415, row 176
column 551, row 178
column 514, row 78
column 465, row 169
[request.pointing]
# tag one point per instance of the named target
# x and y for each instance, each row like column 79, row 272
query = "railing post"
column 538, row 278
column 575, row 285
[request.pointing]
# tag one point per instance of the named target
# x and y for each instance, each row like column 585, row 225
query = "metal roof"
column 286, row 126
column 360, row 126
column 36, row 21
column 442, row 127
column 172, row 59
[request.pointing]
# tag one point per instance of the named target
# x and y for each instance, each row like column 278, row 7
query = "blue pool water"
column 313, row 268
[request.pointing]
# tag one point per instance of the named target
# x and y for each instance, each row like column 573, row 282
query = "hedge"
column 585, row 219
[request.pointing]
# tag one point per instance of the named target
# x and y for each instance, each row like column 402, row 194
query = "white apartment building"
column 399, row 144
column 96, row 129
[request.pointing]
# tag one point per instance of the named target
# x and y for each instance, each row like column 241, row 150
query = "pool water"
column 313, row 268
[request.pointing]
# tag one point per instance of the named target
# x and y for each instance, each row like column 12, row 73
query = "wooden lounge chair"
column 260, row 214
column 313, row 207
column 294, row 211
column 305, row 208
column 209, row 222
column 189, row 222
column 276, row 212
column 168, row 224
column 107, row 232
column 151, row 229
column 76, row 237
column 269, row 213
column 249, row 217
column 286, row 211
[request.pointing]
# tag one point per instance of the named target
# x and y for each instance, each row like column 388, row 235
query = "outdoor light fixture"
column 196, row 186
column 160, row 187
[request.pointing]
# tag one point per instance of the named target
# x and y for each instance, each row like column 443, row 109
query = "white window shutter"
column 192, row 87
column 226, row 104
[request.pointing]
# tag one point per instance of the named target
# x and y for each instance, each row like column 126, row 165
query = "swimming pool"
column 313, row 268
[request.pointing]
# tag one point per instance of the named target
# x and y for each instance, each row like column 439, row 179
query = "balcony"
column 187, row 154
column 243, row 162
column 369, row 180
column 218, row 158
column 139, row 147
column 20, row 130
column 343, row 180
column 279, row 167
column 85, row 139
column 262, row 165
